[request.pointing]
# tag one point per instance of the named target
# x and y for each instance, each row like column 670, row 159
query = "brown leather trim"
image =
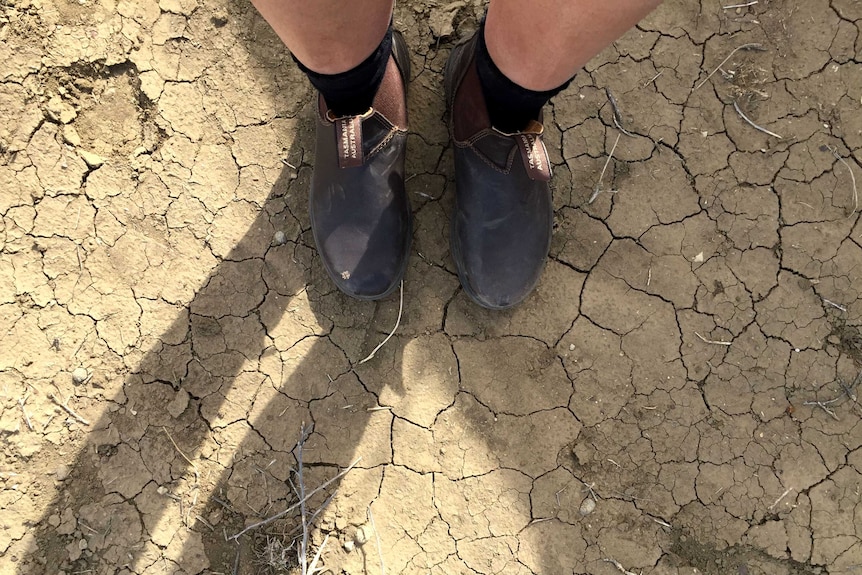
column 460, row 61
column 390, row 100
column 469, row 112
column 322, row 110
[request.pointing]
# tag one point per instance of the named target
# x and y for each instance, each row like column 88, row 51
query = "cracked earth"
column 679, row 396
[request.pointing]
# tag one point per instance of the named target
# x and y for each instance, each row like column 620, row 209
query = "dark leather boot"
column 360, row 214
column 501, row 226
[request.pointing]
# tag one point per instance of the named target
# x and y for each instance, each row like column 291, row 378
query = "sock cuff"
column 510, row 105
column 351, row 92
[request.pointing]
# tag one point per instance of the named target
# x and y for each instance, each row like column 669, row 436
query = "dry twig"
column 205, row 522
column 312, row 567
column 848, row 389
column 653, row 79
column 24, row 411
column 277, row 554
column 295, row 531
column 557, row 497
column 310, row 494
column 67, row 409
column 712, row 341
column 822, row 405
column 751, row 46
column 835, row 305
column 540, row 520
column 752, row 124
column 394, row 329
column 746, row 5
column 598, row 189
column 302, row 549
column 180, row 451
column 236, row 561
column 618, row 118
column 619, row 566
column 780, row 497
column 377, row 537
column 852, row 178
column 591, row 489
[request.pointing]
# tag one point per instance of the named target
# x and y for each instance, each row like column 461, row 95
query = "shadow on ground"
column 214, row 409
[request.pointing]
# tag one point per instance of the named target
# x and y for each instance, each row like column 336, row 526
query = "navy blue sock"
column 352, row 92
column 510, row 106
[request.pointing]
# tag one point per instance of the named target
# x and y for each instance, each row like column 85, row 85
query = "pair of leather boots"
column 360, row 214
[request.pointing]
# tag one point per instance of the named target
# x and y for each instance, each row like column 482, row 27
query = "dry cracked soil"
column 679, row 396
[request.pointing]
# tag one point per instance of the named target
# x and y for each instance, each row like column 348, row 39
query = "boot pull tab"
column 533, row 153
column 349, row 132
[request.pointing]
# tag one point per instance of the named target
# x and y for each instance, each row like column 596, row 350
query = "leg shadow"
column 199, row 442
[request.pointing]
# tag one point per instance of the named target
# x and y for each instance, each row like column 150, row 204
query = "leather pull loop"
column 348, row 130
column 534, row 155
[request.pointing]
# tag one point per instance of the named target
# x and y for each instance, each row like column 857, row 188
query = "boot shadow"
column 266, row 346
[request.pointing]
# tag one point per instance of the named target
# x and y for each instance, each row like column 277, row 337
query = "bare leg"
column 328, row 36
column 539, row 44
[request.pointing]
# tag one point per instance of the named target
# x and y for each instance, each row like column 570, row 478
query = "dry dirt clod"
column 60, row 111
column 71, row 137
column 360, row 538
column 348, row 546
column 219, row 17
column 279, row 239
column 62, row 472
column 92, row 160
column 588, row 505
column 179, row 404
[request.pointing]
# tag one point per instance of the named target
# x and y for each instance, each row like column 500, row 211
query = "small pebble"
column 348, row 546
column 82, row 544
column 361, row 537
column 80, row 375
column 571, row 347
column 62, row 472
column 588, row 505
column 279, row 239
